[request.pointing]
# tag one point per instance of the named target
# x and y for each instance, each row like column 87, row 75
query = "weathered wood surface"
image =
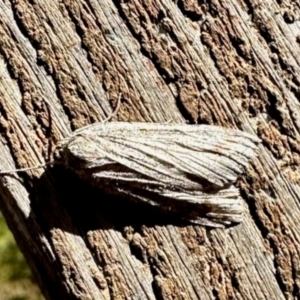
column 63, row 65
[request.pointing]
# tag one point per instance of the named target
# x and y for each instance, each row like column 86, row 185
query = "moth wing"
column 184, row 169
column 218, row 209
column 188, row 156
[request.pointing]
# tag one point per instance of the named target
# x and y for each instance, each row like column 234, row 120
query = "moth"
column 187, row 170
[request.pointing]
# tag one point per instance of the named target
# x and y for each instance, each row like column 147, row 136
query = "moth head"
column 76, row 152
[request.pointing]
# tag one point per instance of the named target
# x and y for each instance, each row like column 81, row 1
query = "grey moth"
column 188, row 170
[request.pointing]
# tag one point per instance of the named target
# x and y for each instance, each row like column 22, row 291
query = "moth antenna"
column 26, row 169
column 115, row 111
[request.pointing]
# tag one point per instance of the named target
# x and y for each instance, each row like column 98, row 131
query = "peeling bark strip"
column 183, row 169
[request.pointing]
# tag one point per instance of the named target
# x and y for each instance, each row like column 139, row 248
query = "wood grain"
column 63, row 65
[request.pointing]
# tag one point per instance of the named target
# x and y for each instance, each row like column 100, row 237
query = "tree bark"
column 232, row 63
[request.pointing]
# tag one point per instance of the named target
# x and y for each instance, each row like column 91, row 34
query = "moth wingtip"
column 214, row 220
